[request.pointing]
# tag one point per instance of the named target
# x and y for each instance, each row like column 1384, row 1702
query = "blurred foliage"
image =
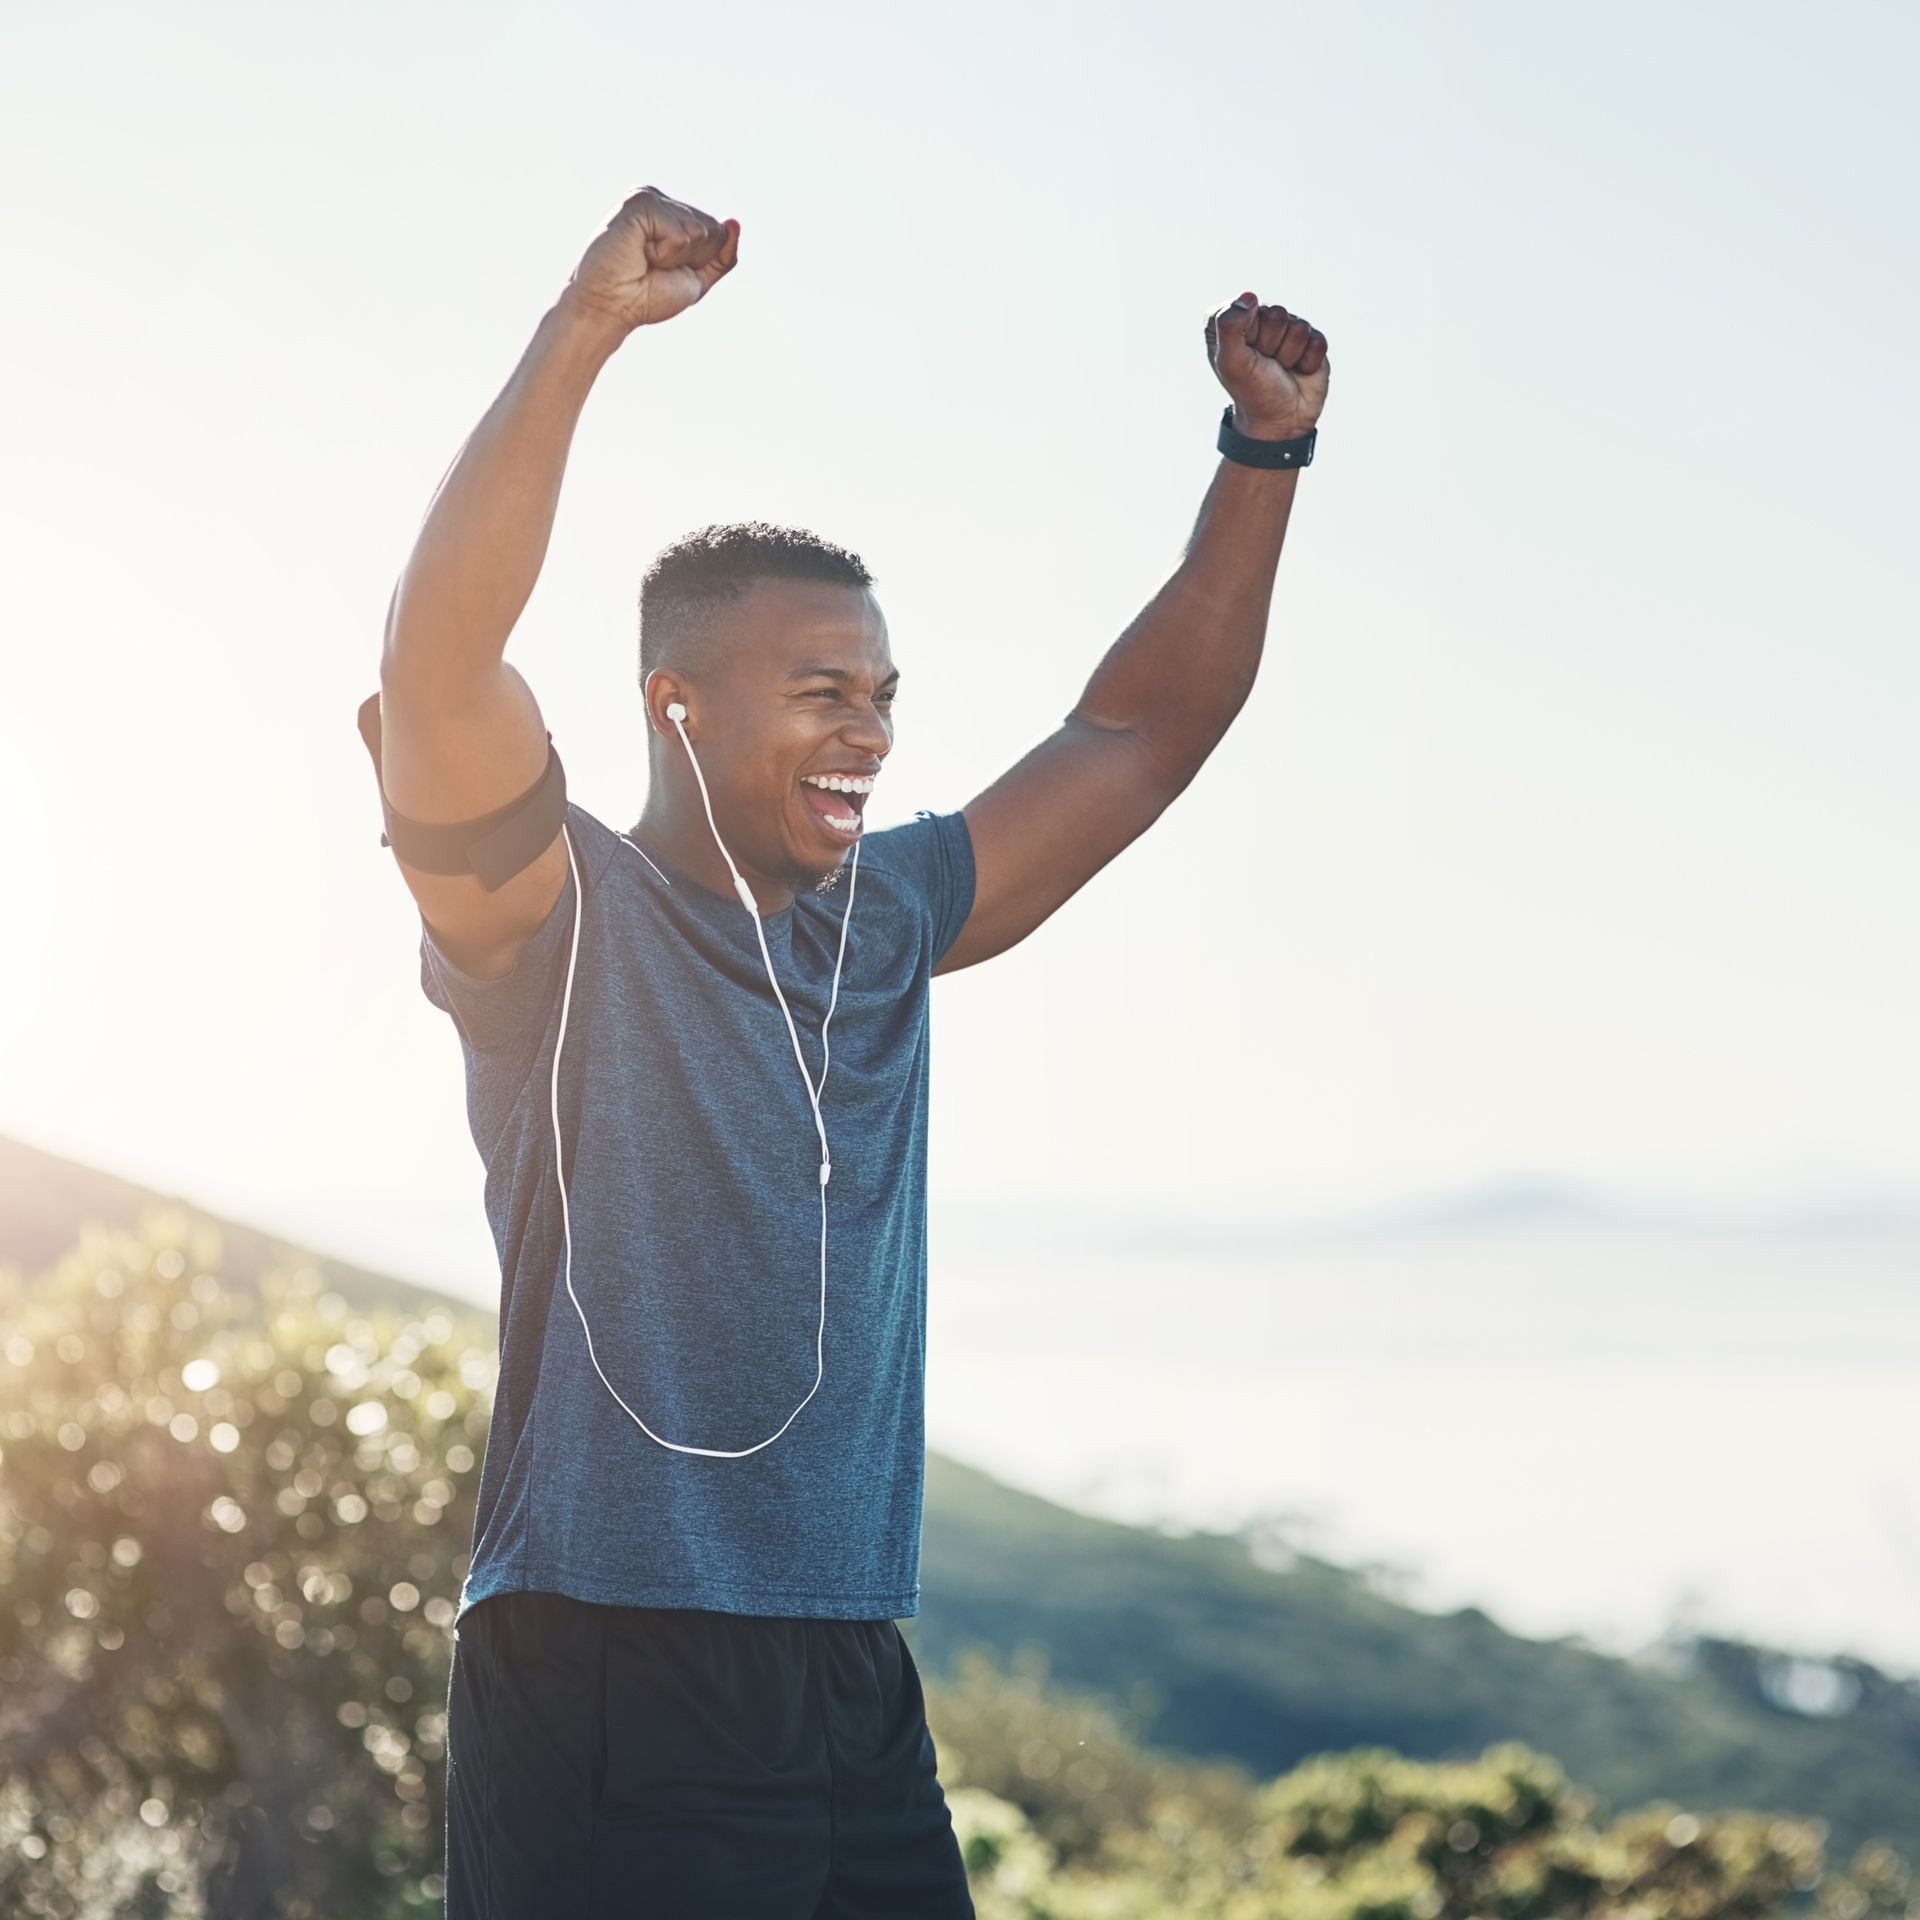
column 232, row 1536
column 1063, row 1816
column 233, row 1529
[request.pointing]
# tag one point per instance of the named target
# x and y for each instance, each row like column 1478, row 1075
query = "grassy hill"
column 1216, row 1655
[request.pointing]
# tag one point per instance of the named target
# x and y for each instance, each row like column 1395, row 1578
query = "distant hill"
column 1511, row 1207
column 46, row 1200
column 1222, row 1656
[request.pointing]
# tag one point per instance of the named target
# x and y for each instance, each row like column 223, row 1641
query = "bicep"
column 1049, row 824
column 454, row 746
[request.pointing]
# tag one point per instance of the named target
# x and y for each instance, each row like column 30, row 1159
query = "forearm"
column 484, row 539
column 1184, row 668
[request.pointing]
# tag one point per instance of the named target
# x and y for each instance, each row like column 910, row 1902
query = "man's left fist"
column 1272, row 363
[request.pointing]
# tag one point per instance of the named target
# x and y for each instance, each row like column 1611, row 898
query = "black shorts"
column 672, row 1763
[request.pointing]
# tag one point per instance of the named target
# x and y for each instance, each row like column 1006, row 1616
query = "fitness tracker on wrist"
column 1249, row 452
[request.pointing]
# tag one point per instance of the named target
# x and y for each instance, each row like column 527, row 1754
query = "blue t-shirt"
column 693, row 1198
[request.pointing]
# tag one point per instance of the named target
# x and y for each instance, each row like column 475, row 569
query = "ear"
column 662, row 689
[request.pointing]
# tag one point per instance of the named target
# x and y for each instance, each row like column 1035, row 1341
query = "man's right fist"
column 657, row 256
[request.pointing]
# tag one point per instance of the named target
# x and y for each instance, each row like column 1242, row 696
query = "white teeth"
column 846, row 823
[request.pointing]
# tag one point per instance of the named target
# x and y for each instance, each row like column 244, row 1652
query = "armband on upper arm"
column 493, row 847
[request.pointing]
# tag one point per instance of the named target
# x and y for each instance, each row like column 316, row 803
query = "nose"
column 867, row 728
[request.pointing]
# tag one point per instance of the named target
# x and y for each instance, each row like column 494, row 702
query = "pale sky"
column 1569, row 831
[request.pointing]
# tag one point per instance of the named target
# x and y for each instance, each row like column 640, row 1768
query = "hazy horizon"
column 1341, row 1388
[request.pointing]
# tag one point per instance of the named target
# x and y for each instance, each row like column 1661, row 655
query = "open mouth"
column 838, row 810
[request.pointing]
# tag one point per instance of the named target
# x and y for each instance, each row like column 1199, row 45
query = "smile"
column 836, row 801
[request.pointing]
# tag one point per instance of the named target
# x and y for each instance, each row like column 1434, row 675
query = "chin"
column 802, row 870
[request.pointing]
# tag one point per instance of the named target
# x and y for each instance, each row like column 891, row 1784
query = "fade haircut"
column 685, row 593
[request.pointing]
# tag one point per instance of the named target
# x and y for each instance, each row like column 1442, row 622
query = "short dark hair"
column 692, row 580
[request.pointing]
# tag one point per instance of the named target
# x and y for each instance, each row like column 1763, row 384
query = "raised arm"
column 461, row 734
column 1168, row 689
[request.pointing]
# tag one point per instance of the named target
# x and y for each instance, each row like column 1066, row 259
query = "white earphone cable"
column 676, row 712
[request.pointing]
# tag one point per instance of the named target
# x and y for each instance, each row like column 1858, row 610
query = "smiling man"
column 696, row 1067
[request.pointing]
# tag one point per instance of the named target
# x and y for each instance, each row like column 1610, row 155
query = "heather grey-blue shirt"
column 693, row 1200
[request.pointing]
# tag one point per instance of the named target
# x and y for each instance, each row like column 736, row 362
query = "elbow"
column 1178, row 743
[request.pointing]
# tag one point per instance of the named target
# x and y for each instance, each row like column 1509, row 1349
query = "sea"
column 1618, row 1426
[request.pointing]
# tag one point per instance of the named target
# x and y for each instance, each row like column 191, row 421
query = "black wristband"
column 1249, row 452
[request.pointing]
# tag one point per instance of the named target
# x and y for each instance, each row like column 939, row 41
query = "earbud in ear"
column 675, row 710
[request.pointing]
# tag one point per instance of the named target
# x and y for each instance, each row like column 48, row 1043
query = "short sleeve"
column 930, row 857
column 497, row 1015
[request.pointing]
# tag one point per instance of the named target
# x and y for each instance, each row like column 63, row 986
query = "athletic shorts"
column 669, row 1763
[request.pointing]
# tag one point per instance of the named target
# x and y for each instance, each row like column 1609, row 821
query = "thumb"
column 1229, row 332
column 724, row 261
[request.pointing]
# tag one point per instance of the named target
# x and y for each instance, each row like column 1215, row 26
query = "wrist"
column 579, row 326
column 1257, row 429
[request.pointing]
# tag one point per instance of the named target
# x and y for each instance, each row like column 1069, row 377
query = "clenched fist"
column 657, row 256
column 1273, row 364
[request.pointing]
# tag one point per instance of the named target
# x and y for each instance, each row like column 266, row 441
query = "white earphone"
column 677, row 713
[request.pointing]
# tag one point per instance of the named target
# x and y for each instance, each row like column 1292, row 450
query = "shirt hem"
column 788, row 1602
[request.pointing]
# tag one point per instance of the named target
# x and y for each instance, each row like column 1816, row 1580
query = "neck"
column 676, row 825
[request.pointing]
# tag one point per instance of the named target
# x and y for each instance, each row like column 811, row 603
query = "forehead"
column 779, row 626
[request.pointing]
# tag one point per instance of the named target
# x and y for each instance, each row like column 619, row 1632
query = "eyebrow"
column 835, row 673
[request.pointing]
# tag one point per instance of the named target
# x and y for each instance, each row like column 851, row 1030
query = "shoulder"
column 908, row 846
column 595, row 844
column 924, row 867
column 498, row 1009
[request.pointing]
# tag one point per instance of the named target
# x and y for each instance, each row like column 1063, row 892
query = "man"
column 694, row 1051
